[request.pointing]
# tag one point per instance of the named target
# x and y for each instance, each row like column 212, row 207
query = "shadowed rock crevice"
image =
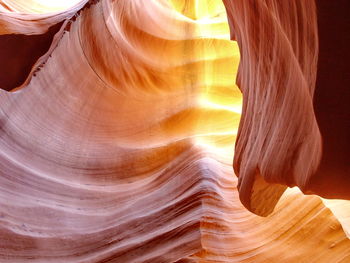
column 331, row 100
column 19, row 53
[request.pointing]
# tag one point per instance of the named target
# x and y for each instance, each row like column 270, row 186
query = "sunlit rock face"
column 118, row 144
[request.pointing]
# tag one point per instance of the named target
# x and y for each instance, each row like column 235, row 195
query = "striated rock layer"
column 117, row 146
column 279, row 142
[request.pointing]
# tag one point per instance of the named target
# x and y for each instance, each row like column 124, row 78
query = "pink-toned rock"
column 279, row 142
column 117, row 147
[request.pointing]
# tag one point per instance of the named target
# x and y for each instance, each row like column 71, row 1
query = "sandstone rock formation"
column 279, row 142
column 116, row 142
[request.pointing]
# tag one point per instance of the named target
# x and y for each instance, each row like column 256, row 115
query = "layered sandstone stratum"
column 118, row 126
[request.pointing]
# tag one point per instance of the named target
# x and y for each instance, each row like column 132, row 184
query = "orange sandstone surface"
column 119, row 121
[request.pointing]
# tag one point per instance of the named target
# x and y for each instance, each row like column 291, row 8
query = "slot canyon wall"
column 119, row 121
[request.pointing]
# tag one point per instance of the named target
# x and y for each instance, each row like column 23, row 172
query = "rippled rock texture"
column 117, row 140
column 279, row 142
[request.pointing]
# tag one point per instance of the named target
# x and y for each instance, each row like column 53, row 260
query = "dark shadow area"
column 332, row 97
column 18, row 54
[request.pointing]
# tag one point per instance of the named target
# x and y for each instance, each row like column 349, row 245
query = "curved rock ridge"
column 279, row 143
column 119, row 148
column 38, row 6
column 35, row 16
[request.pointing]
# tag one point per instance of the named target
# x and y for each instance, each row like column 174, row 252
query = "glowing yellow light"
column 219, row 96
column 236, row 108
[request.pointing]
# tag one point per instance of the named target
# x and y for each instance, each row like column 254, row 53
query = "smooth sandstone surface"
column 118, row 145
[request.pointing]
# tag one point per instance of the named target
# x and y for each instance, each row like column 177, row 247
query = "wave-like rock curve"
column 118, row 146
column 279, row 141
